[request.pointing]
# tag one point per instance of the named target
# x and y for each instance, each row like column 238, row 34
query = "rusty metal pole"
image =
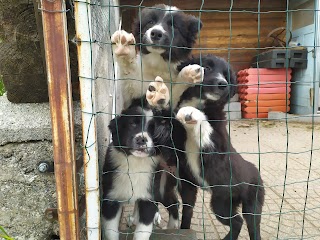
column 60, row 96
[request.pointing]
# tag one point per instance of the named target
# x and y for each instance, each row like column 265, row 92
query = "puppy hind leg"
column 171, row 203
column 221, row 207
column 188, row 194
column 251, row 212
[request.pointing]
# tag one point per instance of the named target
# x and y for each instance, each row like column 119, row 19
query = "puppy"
column 210, row 160
column 162, row 38
column 230, row 179
column 133, row 172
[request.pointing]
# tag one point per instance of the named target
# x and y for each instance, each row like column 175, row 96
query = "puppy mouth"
column 213, row 96
column 142, row 152
column 158, row 50
column 152, row 46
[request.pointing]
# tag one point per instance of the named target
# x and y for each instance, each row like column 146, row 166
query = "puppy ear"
column 113, row 124
column 194, row 27
column 233, row 84
column 136, row 28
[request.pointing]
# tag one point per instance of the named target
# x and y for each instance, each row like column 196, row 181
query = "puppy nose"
column 140, row 140
column 222, row 84
column 156, row 35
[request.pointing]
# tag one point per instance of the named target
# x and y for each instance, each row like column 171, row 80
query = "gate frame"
column 60, row 99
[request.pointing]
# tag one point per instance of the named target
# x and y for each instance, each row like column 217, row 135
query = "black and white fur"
column 219, row 168
column 132, row 171
column 201, row 112
column 162, row 38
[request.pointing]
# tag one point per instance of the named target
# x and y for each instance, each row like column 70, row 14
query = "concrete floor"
column 290, row 167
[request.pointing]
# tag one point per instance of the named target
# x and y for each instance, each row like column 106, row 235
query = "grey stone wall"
column 25, row 194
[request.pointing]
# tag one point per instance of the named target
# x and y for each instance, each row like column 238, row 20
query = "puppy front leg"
column 123, row 45
column 147, row 213
column 187, row 77
column 196, row 122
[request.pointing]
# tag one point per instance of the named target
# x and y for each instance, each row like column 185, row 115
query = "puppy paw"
column 172, row 223
column 157, row 219
column 158, row 94
column 123, row 44
column 131, row 221
column 192, row 73
column 190, row 116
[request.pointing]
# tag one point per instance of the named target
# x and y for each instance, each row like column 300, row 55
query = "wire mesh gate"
column 291, row 210
column 95, row 21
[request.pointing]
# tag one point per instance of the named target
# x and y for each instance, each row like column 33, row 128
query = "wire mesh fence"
column 285, row 152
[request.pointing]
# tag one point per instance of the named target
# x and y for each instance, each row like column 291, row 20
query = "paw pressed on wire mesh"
column 190, row 116
column 158, row 93
column 123, row 44
column 192, row 73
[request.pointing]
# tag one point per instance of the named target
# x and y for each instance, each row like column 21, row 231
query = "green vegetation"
column 4, row 234
column 2, row 90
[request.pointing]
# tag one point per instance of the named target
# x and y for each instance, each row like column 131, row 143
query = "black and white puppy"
column 211, row 161
column 132, row 170
column 162, row 38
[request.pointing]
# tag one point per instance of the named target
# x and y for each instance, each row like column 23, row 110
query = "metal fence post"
column 86, row 61
column 60, row 96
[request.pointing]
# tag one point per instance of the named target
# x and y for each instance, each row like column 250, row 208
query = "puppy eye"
column 133, row 124
column 172, row 24
column 151, row 22
column 207, row 68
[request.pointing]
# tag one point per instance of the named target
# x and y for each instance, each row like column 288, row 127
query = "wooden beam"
column 214, row 4
column 38, row 17
column 60, row 96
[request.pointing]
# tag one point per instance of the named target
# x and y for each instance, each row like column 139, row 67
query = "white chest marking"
column 133, row 178
column 198, row 137
column 193, row 156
